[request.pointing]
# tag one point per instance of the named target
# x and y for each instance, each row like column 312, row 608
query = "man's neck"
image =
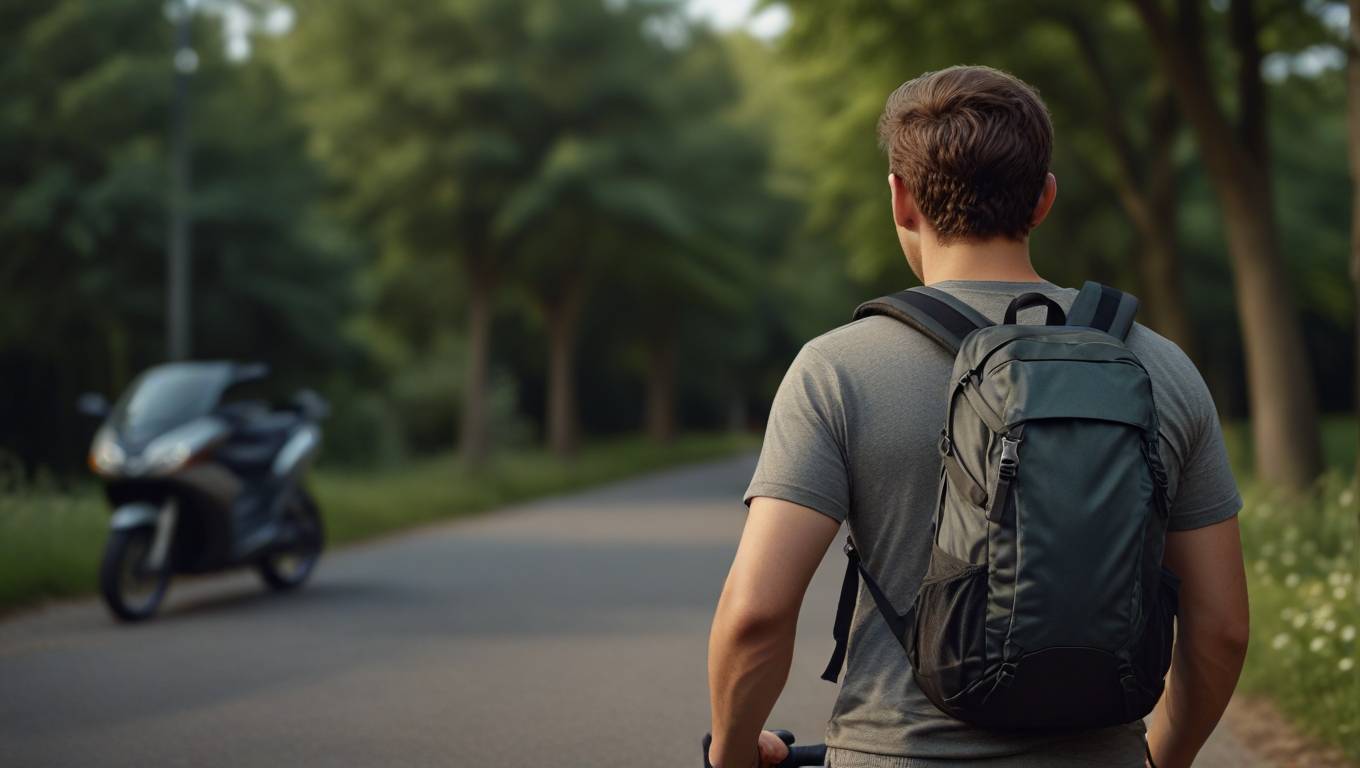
column 996, row 260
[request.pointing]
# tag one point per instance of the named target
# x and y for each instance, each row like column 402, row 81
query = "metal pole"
column 179, row 322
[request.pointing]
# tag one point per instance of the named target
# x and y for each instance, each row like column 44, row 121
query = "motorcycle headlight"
column 166, row 456
column 177, row 448
column 106, row 455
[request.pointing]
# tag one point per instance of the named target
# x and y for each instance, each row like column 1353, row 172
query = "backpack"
column 1044, row 604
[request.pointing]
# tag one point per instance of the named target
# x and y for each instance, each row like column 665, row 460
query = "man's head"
column 968, row 153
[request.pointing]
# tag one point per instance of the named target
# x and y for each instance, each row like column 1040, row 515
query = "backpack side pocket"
column 951, row 609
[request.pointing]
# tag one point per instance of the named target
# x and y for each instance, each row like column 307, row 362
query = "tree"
column 417, row 109
column 596, row 193
column 1353, row 145
column 1236, row 154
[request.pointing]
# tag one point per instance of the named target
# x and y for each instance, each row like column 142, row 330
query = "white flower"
column 1346, row 498
column 1339, row 593
column 1292, row 580
column 1299, row 620
column 1348, row 633
column 1345, row 665
column 1318, row 644
column 1260, row 566
column 1280, row 641
column 1329, row 626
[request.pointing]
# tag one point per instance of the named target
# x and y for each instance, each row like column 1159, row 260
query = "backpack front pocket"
column 951, row 608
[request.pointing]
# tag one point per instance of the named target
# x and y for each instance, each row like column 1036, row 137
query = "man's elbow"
column 1233, row 637
column 754, row 624
column 1225, row 639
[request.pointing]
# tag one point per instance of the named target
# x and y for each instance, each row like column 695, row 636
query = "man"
column 852, row 439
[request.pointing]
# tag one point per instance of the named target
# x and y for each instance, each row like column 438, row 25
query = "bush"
column 1303, row 571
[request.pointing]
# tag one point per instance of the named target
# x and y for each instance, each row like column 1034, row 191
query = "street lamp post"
column 179, row 322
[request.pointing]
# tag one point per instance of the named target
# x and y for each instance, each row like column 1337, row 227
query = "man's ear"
column 1046, row 198
column 905, row 213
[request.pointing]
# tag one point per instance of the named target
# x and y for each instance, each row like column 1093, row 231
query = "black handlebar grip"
column 799, row 757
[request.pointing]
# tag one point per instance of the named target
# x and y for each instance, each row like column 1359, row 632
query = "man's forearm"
column 1203, row 676
column 748, row 664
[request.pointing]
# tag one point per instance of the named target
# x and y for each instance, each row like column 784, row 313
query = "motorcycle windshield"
column 167, row 396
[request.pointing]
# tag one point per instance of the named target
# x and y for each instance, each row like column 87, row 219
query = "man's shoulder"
column 1170, row 367
column 869, row 341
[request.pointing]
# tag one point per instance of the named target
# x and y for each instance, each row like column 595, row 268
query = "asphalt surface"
column 570, row 632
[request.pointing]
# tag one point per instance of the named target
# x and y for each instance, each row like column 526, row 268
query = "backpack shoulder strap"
column 941, row 317
column 1104, row 308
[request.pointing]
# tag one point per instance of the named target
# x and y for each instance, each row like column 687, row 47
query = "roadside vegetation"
column 1303, row 574
column 1303, row 571
column 50, row 540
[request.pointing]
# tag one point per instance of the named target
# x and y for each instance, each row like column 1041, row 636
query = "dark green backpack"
column 1045, row 604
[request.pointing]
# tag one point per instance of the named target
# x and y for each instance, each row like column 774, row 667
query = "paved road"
column 569, row 632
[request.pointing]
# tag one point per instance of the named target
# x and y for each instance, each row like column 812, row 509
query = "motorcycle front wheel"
column 289, row 568
column 131, row 590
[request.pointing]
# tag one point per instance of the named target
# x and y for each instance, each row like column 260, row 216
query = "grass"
column 50, row 541
column 1303, row 573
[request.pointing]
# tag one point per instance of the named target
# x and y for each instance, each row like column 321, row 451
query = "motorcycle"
column 201, row 480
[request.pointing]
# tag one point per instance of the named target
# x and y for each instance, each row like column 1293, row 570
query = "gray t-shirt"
column 852, row 434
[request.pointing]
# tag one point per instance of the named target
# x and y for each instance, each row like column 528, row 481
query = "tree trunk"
column 1279, row 378
column 661, row 390
column 1160, row 265
column 1353, row 143
column 1282, row 399
column 473, row 438
column 564, row 317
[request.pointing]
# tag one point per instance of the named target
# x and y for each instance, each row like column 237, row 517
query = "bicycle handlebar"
column 799, row 757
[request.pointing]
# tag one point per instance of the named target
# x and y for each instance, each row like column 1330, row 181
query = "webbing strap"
column 941, row 317
column 1104, row 308
column 900, row 624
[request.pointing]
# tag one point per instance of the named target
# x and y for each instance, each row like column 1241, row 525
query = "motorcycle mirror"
column 93, row 404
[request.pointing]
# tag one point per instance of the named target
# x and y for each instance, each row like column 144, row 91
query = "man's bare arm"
column 751, row 645
column 1211, row 640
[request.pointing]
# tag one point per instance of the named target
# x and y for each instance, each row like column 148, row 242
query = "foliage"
column 50, row 540
column 1304, row 577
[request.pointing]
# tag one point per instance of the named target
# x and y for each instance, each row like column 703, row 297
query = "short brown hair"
column 973, row 145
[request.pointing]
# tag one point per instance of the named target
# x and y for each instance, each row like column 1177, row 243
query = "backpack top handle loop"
column 1056, row 316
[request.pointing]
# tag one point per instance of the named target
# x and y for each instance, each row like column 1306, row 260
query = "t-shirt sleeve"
column 1206, row 492
column 803, row 457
